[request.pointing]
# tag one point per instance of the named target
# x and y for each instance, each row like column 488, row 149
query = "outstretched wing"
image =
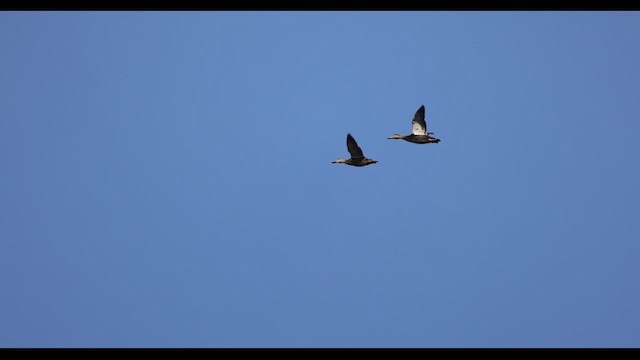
column 353, row 147
column 419, row 123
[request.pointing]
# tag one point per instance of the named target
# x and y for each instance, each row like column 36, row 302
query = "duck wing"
column 353, row 147
column 419, row 123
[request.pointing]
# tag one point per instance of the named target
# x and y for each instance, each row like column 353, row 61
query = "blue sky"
column 167, row 179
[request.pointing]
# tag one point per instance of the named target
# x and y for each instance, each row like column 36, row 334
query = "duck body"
column 419, row 139
column 356, row 162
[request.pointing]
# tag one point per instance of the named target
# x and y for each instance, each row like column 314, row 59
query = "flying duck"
column 419, row 135
column 357, row 158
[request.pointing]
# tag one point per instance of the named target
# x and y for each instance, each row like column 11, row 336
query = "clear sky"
column 166, row 179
